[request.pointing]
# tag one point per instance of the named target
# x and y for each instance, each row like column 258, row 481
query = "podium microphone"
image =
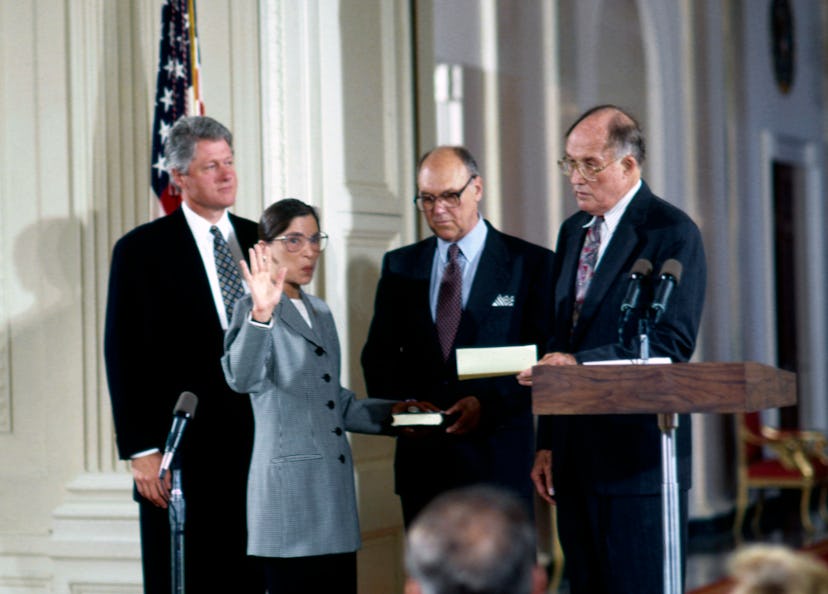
column 640, row 270
column 183, row 412
column 668, row 278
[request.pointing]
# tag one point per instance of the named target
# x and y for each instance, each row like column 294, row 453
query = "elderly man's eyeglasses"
column 449, row 199
column 589, row 171
column 295, row 242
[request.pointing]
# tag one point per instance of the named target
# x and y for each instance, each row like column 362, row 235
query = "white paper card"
column 494, row 361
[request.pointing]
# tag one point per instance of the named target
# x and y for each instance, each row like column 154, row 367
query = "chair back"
column 749, row 436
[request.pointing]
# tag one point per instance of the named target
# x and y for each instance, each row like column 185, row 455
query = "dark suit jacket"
column 402, row 360
column 621, row 453
column 162, row 337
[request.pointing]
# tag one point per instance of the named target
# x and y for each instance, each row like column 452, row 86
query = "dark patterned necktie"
column 228, row 272
column 586, row 266
column 449, row 301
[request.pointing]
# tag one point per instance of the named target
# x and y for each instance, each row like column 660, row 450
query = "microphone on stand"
column 668, row 278
column 640, row 270
column 183, row 412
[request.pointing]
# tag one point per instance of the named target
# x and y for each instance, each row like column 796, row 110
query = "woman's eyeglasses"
column 295, row 242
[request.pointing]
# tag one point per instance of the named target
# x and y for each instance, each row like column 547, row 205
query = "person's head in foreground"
column 776, row 569
column 475, row 540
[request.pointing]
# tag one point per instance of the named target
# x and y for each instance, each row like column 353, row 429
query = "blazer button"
column 338, row 431
column 342, row 458
column 327, row 377
column 320, row 351
column 331, row 404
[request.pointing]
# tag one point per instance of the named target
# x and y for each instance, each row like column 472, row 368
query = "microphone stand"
column 644, row 340
column 177, row 513
column 667, row 424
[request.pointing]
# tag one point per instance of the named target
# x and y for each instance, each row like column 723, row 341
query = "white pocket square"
column 504, row 301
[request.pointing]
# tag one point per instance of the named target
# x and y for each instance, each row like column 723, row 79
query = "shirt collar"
column 201, row 226
column 614, row 214
column 470, row 244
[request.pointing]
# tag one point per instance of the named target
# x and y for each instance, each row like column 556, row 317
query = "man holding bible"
column 468, row 285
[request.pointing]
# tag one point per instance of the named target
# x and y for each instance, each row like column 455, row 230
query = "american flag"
column 177, row 89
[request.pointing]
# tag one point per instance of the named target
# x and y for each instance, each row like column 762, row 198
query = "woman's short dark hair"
column 278, row 216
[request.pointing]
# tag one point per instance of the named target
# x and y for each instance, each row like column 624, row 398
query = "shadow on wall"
column 45, row 373
column 46, row 322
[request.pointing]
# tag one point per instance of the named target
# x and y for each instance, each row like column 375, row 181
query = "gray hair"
column 185, row 134
column 624, row 134
column 475, row 540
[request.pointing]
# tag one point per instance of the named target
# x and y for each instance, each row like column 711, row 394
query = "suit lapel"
column 610, row 267
column 191, row 268
column 617, row 255
column 421, row 297
column 492, row 274
column 290, row 316
column 565, row 287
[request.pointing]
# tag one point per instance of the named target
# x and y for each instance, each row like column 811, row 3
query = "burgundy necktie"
column 586, row 266
column 449, row 301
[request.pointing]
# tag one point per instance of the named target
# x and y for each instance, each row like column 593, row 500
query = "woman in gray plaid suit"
column 282, row 348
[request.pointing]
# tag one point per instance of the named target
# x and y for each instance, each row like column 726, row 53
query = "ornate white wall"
column 319, row 97
column 331, row 101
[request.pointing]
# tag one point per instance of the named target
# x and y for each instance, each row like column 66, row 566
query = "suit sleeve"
column 381, row 358
column 539, row 323
column 675, row 335
column 141, row 421
column 365, row 415
column 246, row 348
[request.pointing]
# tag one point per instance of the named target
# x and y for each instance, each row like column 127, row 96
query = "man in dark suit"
column 607, row 474
column 165, row 321
column 503, row 300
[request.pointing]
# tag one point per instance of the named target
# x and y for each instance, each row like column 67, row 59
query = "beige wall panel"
column 376, row 104
column 378, row 565
column 41, row 338
column 367, row 158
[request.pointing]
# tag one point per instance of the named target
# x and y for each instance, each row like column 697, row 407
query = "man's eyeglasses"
column 295, row 242
column 589, row 171
column 449, row 199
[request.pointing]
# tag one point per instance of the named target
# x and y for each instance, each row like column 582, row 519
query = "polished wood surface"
column 673, row 388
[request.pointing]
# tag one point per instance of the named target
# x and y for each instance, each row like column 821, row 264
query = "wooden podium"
column 667, row 391
column 674, row 388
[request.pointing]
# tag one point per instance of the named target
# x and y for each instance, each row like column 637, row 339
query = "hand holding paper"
column 525, row 376
column 494, row 361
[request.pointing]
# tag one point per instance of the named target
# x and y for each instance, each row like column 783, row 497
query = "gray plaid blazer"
column 301, row 498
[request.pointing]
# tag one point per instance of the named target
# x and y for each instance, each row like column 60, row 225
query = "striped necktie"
column 228, row 272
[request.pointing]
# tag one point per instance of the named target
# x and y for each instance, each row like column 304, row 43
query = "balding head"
column 623, row 132
column 449, row 189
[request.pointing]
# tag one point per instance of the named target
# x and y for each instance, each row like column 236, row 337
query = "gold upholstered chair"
column 797, row 460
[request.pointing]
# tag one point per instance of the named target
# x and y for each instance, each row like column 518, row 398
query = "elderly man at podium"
column 607, row 475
